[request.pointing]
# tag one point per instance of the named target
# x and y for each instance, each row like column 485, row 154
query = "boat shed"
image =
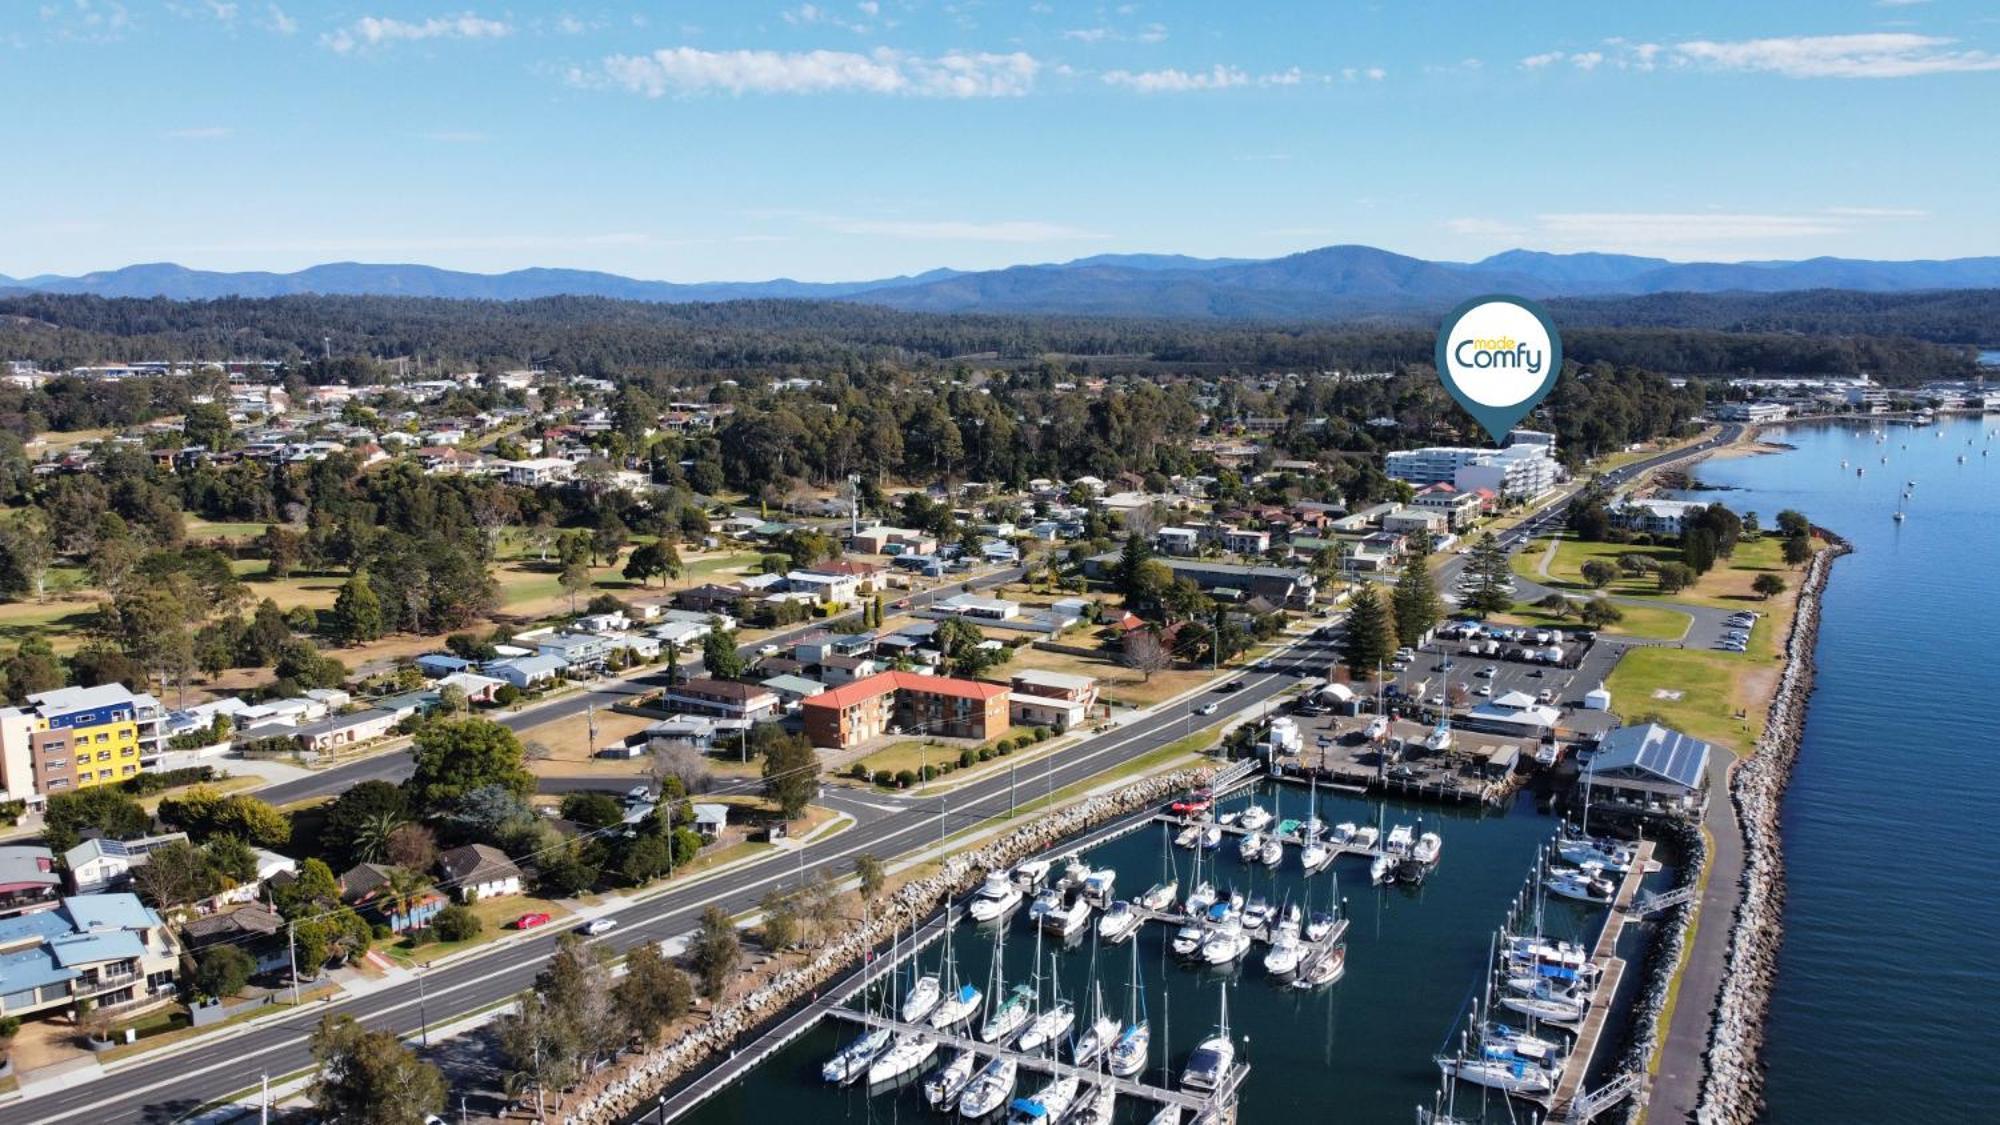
column 1651, row 770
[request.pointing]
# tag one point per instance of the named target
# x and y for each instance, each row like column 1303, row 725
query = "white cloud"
column 1879, row 212
column 276, row 20
column 1173, row 80
column 1872, row 55
column 1483, row 228
column 1088, row 34
column 690, row 70
column 1547, row 58
column 95, row 21
column 950, row 230
column 1151, row 33
column 199, row 133
column 377, row 31
column 810, row 14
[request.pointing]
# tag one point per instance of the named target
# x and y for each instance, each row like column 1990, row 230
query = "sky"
column 837, row 140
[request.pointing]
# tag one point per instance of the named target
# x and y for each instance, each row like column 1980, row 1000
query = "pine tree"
column 1487, row 568
column 1130, row 559
column 1371, row 633
column 357, row 612
column 1417, row 605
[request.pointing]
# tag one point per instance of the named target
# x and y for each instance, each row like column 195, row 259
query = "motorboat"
column 956, row 1008
column 1314, row 854
column 1187, row 940
column 1098, row 884
column 1047, row 1105
column 946, row 1083
column 1131, row 1050
column 1427, row 849
column 1527, row 980
column 1251, row 847
column 1075, row 870
column 1030, row 873
column 1382, row 870
column 851, row 1061
column 995, row 898
column 1226, row 943
column 1254, row 818
column 1548, row 1052
column 1610, row 855
column 1049, row 899
column 1344, row 832
column 1583, row 884
column 1322, row 970
column 1402, row 839
column 909, row 1052
column 1377, row 730
column 1160, row 896
column 1319, row 925
column 1118, row 922
column 1211, row 837
column 1366, row 835
column 1548, row 1006
column 1006, row 1020
column 1189, row 837
column 1212, row 1059
column 1047, row 1029
column 989, row 1089
column 1257, row 914
column 1286, row 949
column 1273, row 852
column 922, row 998
column 1535, row 949
column 1200, row 899
column 1068, row 919
column 1102, row 1034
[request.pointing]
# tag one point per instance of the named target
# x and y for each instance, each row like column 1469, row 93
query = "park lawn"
column 1718, row 693
column 52, row 620
column 1725, row 586
column 1650, row 622
column 201, row 530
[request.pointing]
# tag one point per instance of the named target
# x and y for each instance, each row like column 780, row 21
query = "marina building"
column 1650, row 770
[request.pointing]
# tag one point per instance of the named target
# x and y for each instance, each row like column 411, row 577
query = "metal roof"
column 1663, row 752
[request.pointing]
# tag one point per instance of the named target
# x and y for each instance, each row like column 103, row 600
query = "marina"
column 1393, row 964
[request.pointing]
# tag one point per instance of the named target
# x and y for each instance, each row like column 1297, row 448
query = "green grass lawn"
column 200, row 529
column 1651, row 622
column 1712, row 704
column 1726, row 586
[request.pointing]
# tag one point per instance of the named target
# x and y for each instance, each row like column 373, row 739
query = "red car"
column 1196, row 802
column 530, row 921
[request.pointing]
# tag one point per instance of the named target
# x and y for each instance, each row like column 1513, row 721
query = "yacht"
column 1066, row 920
column 1225, row 944
column 1548, row 1006
column 995, row 898
column 1211, row 837
column 1324, row 969
column 1257, row 914
column 1273, row 852
column 1187, row 940
column 1097, row 886
column 1498, row 1068
column 1007, row 1019
column 1130, row 1052
column 1097, row 1106
column 1075, row 870
column 1118, row 922
column 942, row 1088
column 1366, row 835
column 1251, row 847
column 956, row 1008
column 1049, row 899
column 1315, row 854
column 1286, row 948
column 851, row 1061
column 1614, row 856
column 1200, row 899
column 1344, row 832
column 1584, row 884
column 1190, row 836
column 1102, row 1034
column 1048, row 1029
column 1402, row 839
column 1427, row 848
column 1254, row 818
column 989, row 1089
column 1382, row 870
column 1160, row 896
column 1049, row 1104
column 1545, row 1051
column 909, row 1052
column 1030, row 873
column 922, row 998
column 1213, row 1058
column 1319, row 925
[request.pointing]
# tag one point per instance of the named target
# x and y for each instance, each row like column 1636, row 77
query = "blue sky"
column 697, row 141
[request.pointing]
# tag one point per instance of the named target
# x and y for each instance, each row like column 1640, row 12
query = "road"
column 397, row 765
column 163, row 1089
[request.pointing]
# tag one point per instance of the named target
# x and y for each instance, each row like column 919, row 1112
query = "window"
column 59, row 783
column 103, row 736
column 125, row 735
column 53, row 764
column 104, row 755
column 129, row 770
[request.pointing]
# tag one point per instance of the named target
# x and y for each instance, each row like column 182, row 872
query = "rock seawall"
column 643, row 1075
column 1732, row 1087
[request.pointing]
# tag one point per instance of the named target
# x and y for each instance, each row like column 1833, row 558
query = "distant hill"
column 1330, row 283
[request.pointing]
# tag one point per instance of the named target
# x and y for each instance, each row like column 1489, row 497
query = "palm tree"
column 371, row 837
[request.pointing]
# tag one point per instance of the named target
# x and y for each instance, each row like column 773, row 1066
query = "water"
column 1889, row 979
column 1360, row 1048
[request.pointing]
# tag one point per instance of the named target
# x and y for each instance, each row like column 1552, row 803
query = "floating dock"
column 1576, row 1065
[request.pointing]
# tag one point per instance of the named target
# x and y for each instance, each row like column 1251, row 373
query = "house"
column 479, row 871
column 477, row 688
column 710, row 820
column 1413, row 521
column 110, row 949
column 437, row 664
column 1460, row 508
column 1282, row 585
column 540, row 471
column 575, row 650
column 368, row 887
column 699, row 731
column 96, row 866
column 332, row 733
column 256, row 929
column 1650, row 770
column 940, row 706
column 1056, row 685
column 837, row 669
column 1246, row 541
column 28, row 877
column 834, row 589
column 725, row 699
column 1378, row 551
column 710, row 598
column 526, row 671
column 792, row 688
column 1655, row 517
column 681, row 634
column 1177, row 541
column 976, row 607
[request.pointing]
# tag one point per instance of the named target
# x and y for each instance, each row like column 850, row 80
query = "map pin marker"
column 1498, row 356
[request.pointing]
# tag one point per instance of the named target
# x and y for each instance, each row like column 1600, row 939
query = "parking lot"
column 1426, row 678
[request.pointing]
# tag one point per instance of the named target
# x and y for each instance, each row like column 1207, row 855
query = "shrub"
column 423, row 935
column 858, row 772
column 930, row 773
column 456, row 923
column 506, row 695
column 884, row 778
column 1003, row 748
column 906, row 778
column 966, row 758
column 985, row 753
column 1041, row 734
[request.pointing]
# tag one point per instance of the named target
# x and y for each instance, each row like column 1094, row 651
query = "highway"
column 159, row 1089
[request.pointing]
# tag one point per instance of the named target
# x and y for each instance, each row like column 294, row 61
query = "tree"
column 653, row 560
column 1698, row 550
column 1599, row 612
column 456, row 923
column 370, row 1076
column 1371, row 634
column 781, row 921
column 719, row 655
column 1599, row 573
column 571, row 870
column 411, row 846
column 1768, row 585
column 357, row 825
column 593, row 809
column 1793, row 523
column 175, row 874
column 653, row 993
column 575, row 579
column 357, row 612
column 1555, row 605
column 1490, row 578
column 1797, row 549
column 454, row 758
column 871, row 873
column 282, row 549
column 222, row 970
column 648, row 857
column 112, row 812
column 791, row 774
column 202, row 812
column 1418, row 606
column 1144, row 652
column 715, row 951
column 1674, row 577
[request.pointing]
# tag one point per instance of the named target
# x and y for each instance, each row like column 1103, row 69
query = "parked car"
column 1487, row 672
column 530, row 921
column 598, row 926
column 639, row 794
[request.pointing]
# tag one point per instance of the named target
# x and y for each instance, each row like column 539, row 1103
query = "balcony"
column 104, row 982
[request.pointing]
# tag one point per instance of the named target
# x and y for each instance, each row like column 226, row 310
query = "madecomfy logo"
column 1498, row 356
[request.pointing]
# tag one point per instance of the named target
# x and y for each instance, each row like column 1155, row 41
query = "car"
column 902, row 604
column 1233, row 685
column 1206, row 709
column 1483, row 689
column 768, row 650
column 1487, row 672
column 1546, row 695
column 598, row 926
column 530, row 921
column 639, row 794
column 1436, row 701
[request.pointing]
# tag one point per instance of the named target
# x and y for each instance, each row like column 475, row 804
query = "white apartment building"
column 1515, row 472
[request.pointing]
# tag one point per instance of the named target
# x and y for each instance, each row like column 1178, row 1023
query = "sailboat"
column 924, row 994
column 1051, row 1023
column 910, row 1051
column 1213, row 1058
column 1282, row 959
column 1006, row 1018
column 961, row 999
column 1048, row 1104
column 1099, row 1036
column 1323, row 969
column 1161, row 895
column 1130, row 1050
column 990, row 1089
column 945, row 1084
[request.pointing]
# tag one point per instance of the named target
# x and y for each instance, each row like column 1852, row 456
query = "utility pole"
column 423, row 1014
column 264, row 1103
column 292, row 954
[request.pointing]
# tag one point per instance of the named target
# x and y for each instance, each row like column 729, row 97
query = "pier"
column 1200, row 1106
column 1291, row 839
column 1568, row 1101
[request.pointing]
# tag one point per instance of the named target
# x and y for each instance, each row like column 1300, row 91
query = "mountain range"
column 1334, row 282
